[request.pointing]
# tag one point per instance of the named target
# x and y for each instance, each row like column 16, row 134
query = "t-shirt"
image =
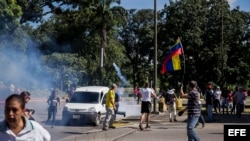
column 32, row 131
column 217, row 94
column 110, row 97
column 135, row 91
column 193, row 106
column 117, row 98
column 209, row 96
column 239, row 97
column 230, row 97
column 146, row 94
column 54, row 101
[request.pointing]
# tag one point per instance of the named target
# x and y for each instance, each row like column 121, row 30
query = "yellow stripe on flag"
column 176, row 62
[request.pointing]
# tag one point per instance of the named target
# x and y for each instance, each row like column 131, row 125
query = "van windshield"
column 85, row 97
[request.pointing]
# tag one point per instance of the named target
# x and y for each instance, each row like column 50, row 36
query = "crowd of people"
column 225, row 101
column 19, row 123
column 19, row 119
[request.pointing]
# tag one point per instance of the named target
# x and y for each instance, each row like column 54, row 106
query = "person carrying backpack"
column 170, row 100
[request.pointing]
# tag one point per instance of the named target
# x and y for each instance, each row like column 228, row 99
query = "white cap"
column 170, row 91
column 113, row 86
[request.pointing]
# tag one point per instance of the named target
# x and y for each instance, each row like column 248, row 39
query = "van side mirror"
column 103, row 101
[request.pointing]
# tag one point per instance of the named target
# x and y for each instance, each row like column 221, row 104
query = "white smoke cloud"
column 122, row 78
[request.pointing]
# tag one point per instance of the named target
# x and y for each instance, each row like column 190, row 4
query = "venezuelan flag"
column 172, row 61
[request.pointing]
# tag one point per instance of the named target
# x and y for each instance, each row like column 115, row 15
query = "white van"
column 87, row 105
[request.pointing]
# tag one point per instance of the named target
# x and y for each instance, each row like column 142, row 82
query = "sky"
column 144, row 4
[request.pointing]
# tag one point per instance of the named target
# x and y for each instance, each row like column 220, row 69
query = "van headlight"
column 92, row 109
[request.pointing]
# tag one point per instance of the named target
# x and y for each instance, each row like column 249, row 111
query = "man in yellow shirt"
column 110, row 108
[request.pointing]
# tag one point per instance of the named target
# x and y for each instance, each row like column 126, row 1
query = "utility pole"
column 155, row 52
column 222, row 43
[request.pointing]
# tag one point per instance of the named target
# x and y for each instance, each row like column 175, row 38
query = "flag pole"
column 184, row 64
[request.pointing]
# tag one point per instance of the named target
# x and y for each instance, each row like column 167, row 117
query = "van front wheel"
column 97, row 120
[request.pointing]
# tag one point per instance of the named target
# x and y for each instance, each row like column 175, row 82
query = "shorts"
column 146, row 107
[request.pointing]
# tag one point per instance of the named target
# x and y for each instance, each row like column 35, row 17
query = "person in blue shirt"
column 117, row 101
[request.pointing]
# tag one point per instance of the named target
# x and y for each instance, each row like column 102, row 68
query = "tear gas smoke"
column 122, row 78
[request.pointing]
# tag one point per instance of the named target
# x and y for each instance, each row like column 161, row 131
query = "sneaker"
column 112, row 127
column 104, row 129
column 140, row 126
column 175, row 120
column 170, row 120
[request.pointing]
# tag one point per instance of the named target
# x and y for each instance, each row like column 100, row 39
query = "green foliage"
column 215, row 40
column 67, row 69
column 9, row 14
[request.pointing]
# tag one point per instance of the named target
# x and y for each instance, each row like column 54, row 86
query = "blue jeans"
column 191, row 122
column 52, row 112
column 209, row 113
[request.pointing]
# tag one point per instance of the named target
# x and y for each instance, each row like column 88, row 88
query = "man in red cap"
column 209, row 102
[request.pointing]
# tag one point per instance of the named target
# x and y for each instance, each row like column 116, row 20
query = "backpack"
column 169, row 98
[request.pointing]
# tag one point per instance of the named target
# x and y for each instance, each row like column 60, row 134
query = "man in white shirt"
column 146, row 93
column 217, row 99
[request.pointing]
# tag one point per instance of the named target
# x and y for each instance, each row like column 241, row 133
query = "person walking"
column 201, row 118
column 233, row 110
column 230, row 101
column 224, row 100
column 136, row 91
column 245, row 91
column 209, row 102
column 239, row 97
column 28, row 112
column 17, row 127
column 193, row 109
column 146, row 93
column 110, row 108
column 170, row 100
column 53, row 102
column 117, row 101
column 217, row 100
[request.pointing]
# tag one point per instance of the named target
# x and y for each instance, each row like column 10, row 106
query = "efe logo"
column 241, row 132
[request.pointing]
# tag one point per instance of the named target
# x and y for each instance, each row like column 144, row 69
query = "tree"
column 238, row 40
column 137, row 37
column 106, row 18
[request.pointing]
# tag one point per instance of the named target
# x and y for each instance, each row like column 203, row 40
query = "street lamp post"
column 155, row 52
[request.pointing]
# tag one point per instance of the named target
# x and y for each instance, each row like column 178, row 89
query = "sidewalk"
column 161, row 130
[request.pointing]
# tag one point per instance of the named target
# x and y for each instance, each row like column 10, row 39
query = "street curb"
column 123, row 135
column 115, row 138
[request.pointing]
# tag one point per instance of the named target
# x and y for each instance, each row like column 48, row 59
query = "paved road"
column 60, row 131
column 128, row 130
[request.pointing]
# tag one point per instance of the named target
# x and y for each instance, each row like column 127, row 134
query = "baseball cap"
column 170, row 91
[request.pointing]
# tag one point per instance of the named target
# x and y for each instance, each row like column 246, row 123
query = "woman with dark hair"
column 54, row 103
column 15, row 126
column 28, row 112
